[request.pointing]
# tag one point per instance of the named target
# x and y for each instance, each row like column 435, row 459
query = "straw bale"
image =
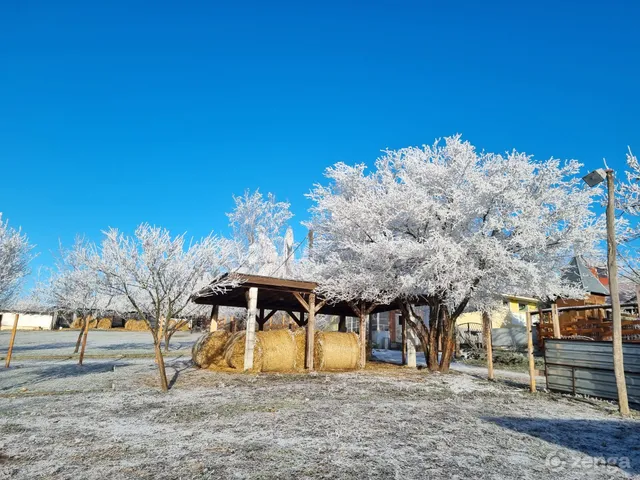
column 78, row 322
column 209, row 349
column 136, row 325
column 300, row 336
column 234, row 350
column 103, row 323
column 277, row 349
column 336, row 351
column 183, row 325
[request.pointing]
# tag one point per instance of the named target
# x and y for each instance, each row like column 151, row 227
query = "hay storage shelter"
column 264, row 296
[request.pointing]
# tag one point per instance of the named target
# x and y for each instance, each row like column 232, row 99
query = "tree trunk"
column 160, row 361
column 419, row 328
column 87, row 319
column 80, row 333
column 448, row 343
column 434, row 325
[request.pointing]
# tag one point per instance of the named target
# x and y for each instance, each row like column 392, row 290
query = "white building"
column 27, row 321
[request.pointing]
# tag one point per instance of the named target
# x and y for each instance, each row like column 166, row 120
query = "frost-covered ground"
column 100, row 343
column 59, row 420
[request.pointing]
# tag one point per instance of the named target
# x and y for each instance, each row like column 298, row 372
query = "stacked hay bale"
column 183, row 325
column 278, row 351
column 234, row 351
column 79, row 323
column 103, row 324
column 300, row 336
column 136, row 325
column 209, row 349
column 274, row 351
column 336, row 351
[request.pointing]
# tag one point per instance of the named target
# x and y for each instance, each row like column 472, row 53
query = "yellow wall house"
column 512, row 313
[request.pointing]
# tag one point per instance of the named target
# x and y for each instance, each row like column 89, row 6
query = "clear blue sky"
column 113, row 113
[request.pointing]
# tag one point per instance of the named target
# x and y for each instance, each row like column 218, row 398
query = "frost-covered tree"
column 157, row 274
column 628, row 203
column 15, row 255
column 258, row 225
column 450, row 227
column 74, row 286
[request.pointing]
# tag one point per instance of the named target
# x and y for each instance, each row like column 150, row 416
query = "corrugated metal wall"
column 586, row 368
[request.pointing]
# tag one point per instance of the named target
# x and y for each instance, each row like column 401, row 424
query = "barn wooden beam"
column 298, row 319
column 302, row 301
column 342, row 323
column 213, row 318
column 311, row 325
column 250, row 336
column 320, row 305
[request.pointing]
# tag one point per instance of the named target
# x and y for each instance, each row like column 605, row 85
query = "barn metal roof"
column 578, row 273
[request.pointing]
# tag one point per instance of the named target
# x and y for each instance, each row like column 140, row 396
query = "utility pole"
column 592, row 179
column 612, row 265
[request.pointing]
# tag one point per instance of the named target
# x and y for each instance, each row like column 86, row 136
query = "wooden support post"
column 532, row 363
column 412, row 361
column 261, row 320
column 87, row 319
column 555, row 318
column 486, row 333
column 342, row 323
column 311, row 326
column 403, row 325
column 213, row 318
column 363, row 338
column 250, row 337
column 14, row 329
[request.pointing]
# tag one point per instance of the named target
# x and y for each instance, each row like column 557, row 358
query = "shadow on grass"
column 600, row 439
column 32, row 376
column 178, row 366
column 43, row 347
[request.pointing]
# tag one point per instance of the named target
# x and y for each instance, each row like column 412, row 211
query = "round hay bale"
column 104, row 323
column 78, row 322
column 300, row 336
column 277, row 349
column 183, row 325
column 336, row 351
column 136, row 325
column 209, row 349
column 234, row 352
column 93, row 323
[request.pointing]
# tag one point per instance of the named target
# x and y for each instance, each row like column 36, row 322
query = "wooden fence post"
column 486, row 333
column 555, row 318
column 12, row 340
column 532, row 364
